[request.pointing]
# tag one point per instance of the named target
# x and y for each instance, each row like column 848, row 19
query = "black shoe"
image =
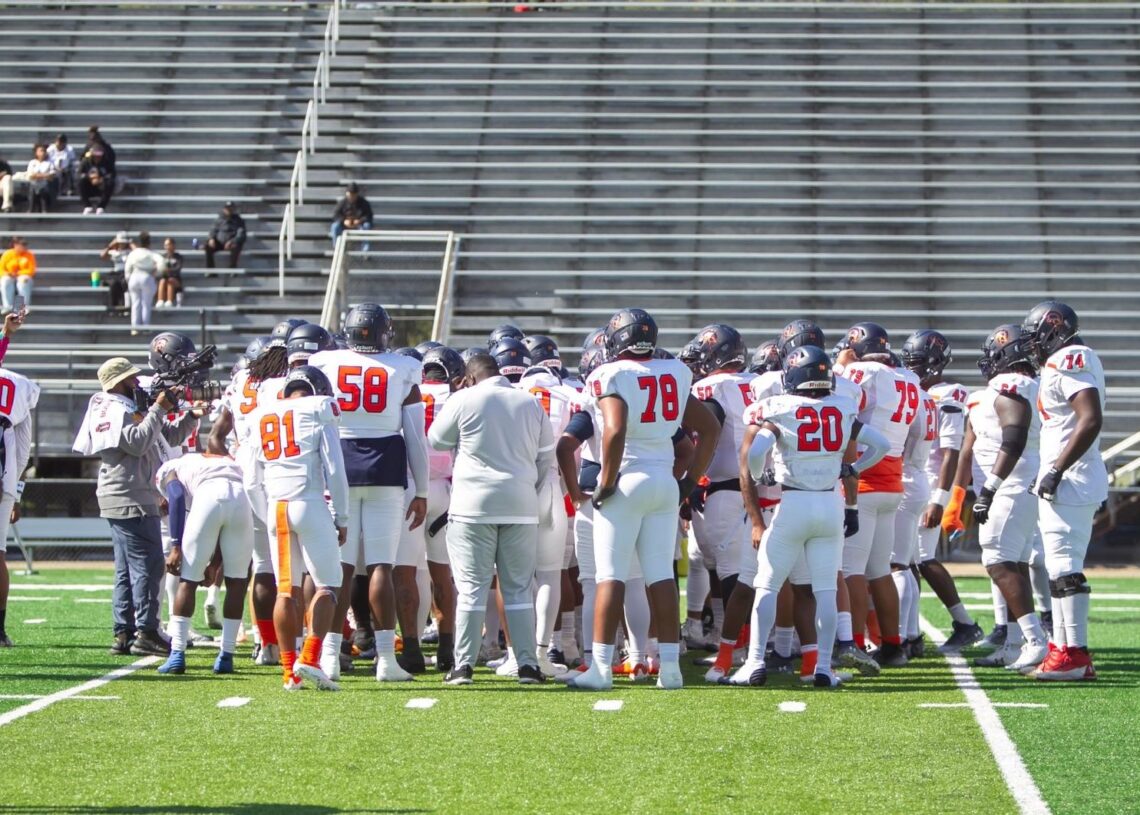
column 444, row 660
column 412, row 661
column 995, row 639
column 530, row 675
column 364, row 640
column 346, row 666
column 916, row 648
column 150, row 644
column 778, row 664
column 122, row 645
column 556, row 656
column 756, row 679
column 963, row 636
column 460, row 675
column 890, row 655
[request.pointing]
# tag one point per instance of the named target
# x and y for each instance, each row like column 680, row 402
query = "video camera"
column 185, row 380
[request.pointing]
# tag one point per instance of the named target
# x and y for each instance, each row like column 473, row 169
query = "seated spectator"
column 42, row 180
column 95, row 188
column 17, row 270
column 7, row 184
column 353, row 212
column 116, row 280
column 143, row 268
column 227, row 233
column 62, row 157
column 99, row 146
column 170, row 284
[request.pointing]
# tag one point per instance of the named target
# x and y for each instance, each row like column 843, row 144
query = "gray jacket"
column 126, row 487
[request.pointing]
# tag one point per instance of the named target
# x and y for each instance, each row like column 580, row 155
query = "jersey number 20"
column 820, row 429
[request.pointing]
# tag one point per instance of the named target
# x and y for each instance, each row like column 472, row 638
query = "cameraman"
column 132, row 445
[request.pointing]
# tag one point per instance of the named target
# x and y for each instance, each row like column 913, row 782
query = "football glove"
column 982, row 505
column 952, row 517
column 1047, row 486
column 850, row 521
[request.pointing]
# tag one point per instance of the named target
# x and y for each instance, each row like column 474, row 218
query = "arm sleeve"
column 951, row 426
column 444, row 433
column 176, row 498
column 135, row 438
column 758, row 453
column 336, row 480
column 3, row 347
column 580, row 426
column 876, row 446
column 412, row 417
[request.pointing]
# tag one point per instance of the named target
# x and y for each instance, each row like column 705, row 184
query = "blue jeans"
column 338, row 227
column 139, row 568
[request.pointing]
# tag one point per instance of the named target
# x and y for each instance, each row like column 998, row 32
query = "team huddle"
column 812, row 486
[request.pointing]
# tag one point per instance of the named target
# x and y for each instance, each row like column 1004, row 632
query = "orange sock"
column 860, row 640
column 311, row 650
column 896, row 640
column 742, row 638
column 808, row 662
column 288, row 660
column 873, row 627
column 267, row 631
column 724, row 655
column 346, row 630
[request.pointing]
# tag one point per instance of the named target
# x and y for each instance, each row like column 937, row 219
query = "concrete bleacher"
column 926, row 166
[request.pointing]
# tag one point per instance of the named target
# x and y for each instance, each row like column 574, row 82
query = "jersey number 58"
column 362, row 388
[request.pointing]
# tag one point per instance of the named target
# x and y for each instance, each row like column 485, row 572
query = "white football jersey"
column 950, row 400
column 558, row 402
column 370, row 389
column 18, row 396
column 813, row 438
column 195, row 469
column 923, row 433
column 299, row 451
column 434, row 396
column 987, row 430
column 1067, row 372
column 733, row 392
column 890, row 401
column 655, row 392
column 769, row 383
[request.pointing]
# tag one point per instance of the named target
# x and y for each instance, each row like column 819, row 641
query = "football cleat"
column 508, row 667
column 1047, row 621
column 194, row 638
column 224, row 664
column 175, row 663
column 852, row 656
column 779, row 664
column 549, row 667
column 459, row 675
column 915, row 648
column 963, row 636
column 530, row 675
column 638, row 673
column 556, row 656
column 714, row 674
column 1066, row 664
column 489, row 654
column 1031, row 656
column 750, row 674
column 268, row 655
column 293, row 683
column 569, row 675
column 314, row 674
column 839, row 676
column 5, row 642
column 828, row 680
column 890, row 655
column 996, row 637
column 693, row 633
column 390, row 671
column 590, row 679
column 213, row 618
column 430, row 635
column 670, row 677
column 1007, row 654
column 414, row 662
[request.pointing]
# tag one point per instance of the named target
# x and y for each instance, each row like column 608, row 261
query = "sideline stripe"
column 977, row 595
column 64, row 587
column 40, row 599
column 29, row 696
column 996, row 704
column 989, row 607
column 48, row 701
column 1017, row 778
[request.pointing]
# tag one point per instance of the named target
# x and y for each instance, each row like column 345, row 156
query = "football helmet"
column 868, row 338
column 721, row 346
column 591, row 358
column 690, row 356
column 797, row 334
column 168, row 346
column 926, row 352
column 767, row 358
column 473, row 351
column 408, row 351
column 445, row 359
column 368, row 328
column 427, row 345
column 306, row 376
column 1050, row 326
column 1006, row 346
column 504, row 332
column 279, row 336
column 595, row 337
column 256, row 347
column 512, row 357
column 543, row 351
column 807, row 369
column 306, row 340
column 631, row 330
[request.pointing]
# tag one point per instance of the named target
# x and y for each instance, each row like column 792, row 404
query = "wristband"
column 994, row 482
column 940, row 497
column 851, row 506
column 19, row 490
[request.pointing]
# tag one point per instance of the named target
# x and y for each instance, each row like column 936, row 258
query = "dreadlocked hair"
column 273, row 362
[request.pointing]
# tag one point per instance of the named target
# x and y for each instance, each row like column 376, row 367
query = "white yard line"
column 30, row 696
column 1034, row 705
column 1097, row 595
column 63, row 587
column 36, row 621
column 69, row 693
column 1017, row 778
column 1095, row 607
column 32, row 599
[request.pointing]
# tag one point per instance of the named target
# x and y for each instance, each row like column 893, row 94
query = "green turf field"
column 162, row 744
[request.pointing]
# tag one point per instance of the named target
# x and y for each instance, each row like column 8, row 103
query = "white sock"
column 783, row 641
column 763, row 616
column 178, row 628
column 212, row 595
column 330, row 648
column 843, row 630
column 511, row 655
column 902, row 589
column 911, row 620
column 386, row 643
column 696, row 587
column 229, row 634
column 1013, row 636
column 1032, row 629
column 825, row 620
column 1001, row 610
column 568, row 634
column 718, row 614
column 1060, row 635
column 1077, row 619
column 603, row 659
column 637, row 617
column 959, row 614
column 654, row 649
column 547, row 598
column 589, row 594
column 1039, row 582
column 670, row 653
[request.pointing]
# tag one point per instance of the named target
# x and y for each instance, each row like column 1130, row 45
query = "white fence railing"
column 299, row 179
column 336, row 290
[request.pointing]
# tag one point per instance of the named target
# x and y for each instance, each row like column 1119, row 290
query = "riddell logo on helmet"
column 1001, row 337
column 1053, row 318
column 708, row 336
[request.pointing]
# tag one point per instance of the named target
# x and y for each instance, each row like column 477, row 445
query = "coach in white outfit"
column 504, row 450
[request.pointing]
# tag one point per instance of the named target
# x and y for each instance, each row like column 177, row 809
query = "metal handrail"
column 298, row 181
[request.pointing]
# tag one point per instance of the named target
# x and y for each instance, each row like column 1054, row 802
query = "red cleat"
column 1067, row 664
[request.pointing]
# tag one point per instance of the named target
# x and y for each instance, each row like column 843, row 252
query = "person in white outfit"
column 143, row 265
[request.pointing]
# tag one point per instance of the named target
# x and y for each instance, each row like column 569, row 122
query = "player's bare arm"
column 700, row 420
column 748, row 486
column 614, row 415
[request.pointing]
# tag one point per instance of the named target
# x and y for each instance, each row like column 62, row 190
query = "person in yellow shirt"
column 17, row 273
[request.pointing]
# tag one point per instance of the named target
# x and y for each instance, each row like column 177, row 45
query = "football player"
column 1072, row 482
column 810, row 430
column 927, row 353
column 1002, row 437
column 382, row 437
column 512, row 357
column 890, row 404
column 21, row 398
column 299, row 459
column 208, row 510
column 504, row 332
column 642, row 402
